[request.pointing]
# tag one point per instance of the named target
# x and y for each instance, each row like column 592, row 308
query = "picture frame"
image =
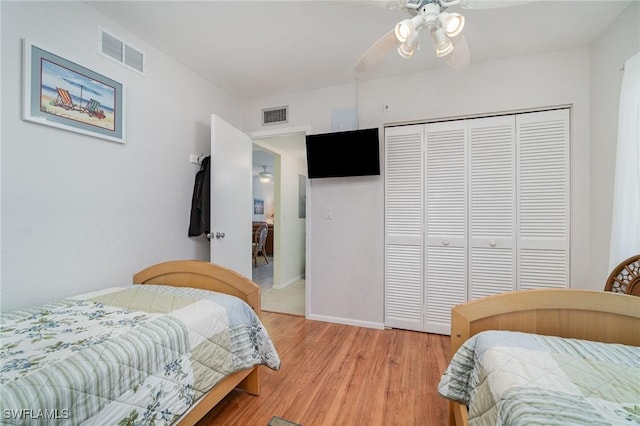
column 258, row 206
column 60, row 93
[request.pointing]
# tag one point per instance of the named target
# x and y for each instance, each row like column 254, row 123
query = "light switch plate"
column 328, row 212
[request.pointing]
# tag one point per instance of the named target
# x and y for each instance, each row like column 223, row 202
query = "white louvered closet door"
column 404, row 297
column 543, row 199
column 445, row 219
column 492, row 206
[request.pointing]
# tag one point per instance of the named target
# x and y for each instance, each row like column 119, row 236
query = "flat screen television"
column 342, row 154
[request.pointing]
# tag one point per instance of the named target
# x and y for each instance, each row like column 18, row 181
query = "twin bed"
column 165, row 351
column 545, row 357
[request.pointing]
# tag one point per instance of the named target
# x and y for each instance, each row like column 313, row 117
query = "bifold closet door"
column 404, row 212
column 492, row 206
column 543, row 199
column 472, row 208
column 445, row 222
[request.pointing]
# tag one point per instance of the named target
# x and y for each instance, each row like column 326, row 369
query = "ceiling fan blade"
column 460, row 57
column 491, row 4
column 387, row 4
column 396, row 4
column 379, row 50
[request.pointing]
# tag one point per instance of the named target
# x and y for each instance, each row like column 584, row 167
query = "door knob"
column 492, row 243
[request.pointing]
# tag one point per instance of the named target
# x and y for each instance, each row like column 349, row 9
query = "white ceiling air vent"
column 277, row 115
column 114, row 48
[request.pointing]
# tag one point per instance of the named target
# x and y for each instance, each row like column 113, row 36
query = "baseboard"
column 346, row 321
column 288, row 283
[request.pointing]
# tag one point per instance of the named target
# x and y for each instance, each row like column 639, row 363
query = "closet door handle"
column 492, row 243
column 445, row 243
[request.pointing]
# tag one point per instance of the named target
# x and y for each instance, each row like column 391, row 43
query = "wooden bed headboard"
column 204, row 275
column 580, row 314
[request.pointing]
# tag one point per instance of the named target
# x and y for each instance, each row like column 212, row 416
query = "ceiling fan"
column 430, row 16
column 264, row 175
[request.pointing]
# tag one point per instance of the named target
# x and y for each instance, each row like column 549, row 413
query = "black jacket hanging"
column 201, row 200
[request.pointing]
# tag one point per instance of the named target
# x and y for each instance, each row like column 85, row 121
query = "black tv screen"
column 342, row 154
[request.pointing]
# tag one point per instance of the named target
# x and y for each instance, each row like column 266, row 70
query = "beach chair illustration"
column 64, row 100
column 93, row 109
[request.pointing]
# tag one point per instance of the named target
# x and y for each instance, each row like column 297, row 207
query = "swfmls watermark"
column 35, row 414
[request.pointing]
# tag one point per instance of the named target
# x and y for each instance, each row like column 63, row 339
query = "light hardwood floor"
column 334, row 374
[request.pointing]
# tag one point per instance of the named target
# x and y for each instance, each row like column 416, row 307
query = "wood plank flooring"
column 334, row 374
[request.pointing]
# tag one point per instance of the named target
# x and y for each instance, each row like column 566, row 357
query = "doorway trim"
column 264, row 134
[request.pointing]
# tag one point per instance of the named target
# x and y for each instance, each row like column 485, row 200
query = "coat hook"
column 197, row 158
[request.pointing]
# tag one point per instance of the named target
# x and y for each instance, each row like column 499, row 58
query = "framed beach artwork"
column 63, row 94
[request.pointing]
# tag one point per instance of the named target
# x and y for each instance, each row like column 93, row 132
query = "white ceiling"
column 260, row 48
column 262, row 158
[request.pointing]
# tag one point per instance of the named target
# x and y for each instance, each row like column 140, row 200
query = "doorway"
column 279, row 188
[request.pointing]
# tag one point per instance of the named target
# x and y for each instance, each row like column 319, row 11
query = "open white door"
column 231, row 197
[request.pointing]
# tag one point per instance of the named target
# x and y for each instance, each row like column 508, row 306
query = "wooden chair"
column 93, row 109
column 64, row 100
column 625, row 278
column 259, row 240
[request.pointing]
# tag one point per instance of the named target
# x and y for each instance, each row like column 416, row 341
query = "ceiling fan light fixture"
column 264, row 176
column 403, row 30
column 406, row 28
column 456, row 39
column 452, row 23
column 443, row 44
column 446, row 29
column 406, row 50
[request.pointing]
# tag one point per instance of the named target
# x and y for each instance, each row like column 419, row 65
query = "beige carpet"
column 288, row 300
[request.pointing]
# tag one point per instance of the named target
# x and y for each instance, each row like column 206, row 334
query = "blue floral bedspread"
column 138, row 355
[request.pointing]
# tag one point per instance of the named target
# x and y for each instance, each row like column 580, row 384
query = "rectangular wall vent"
column 277, row 115
column 113, row 48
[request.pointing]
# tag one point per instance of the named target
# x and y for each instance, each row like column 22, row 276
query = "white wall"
column 310, row 109
column 345, row 278
column 345, row 275
column 615, row 46
column 80, row 213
